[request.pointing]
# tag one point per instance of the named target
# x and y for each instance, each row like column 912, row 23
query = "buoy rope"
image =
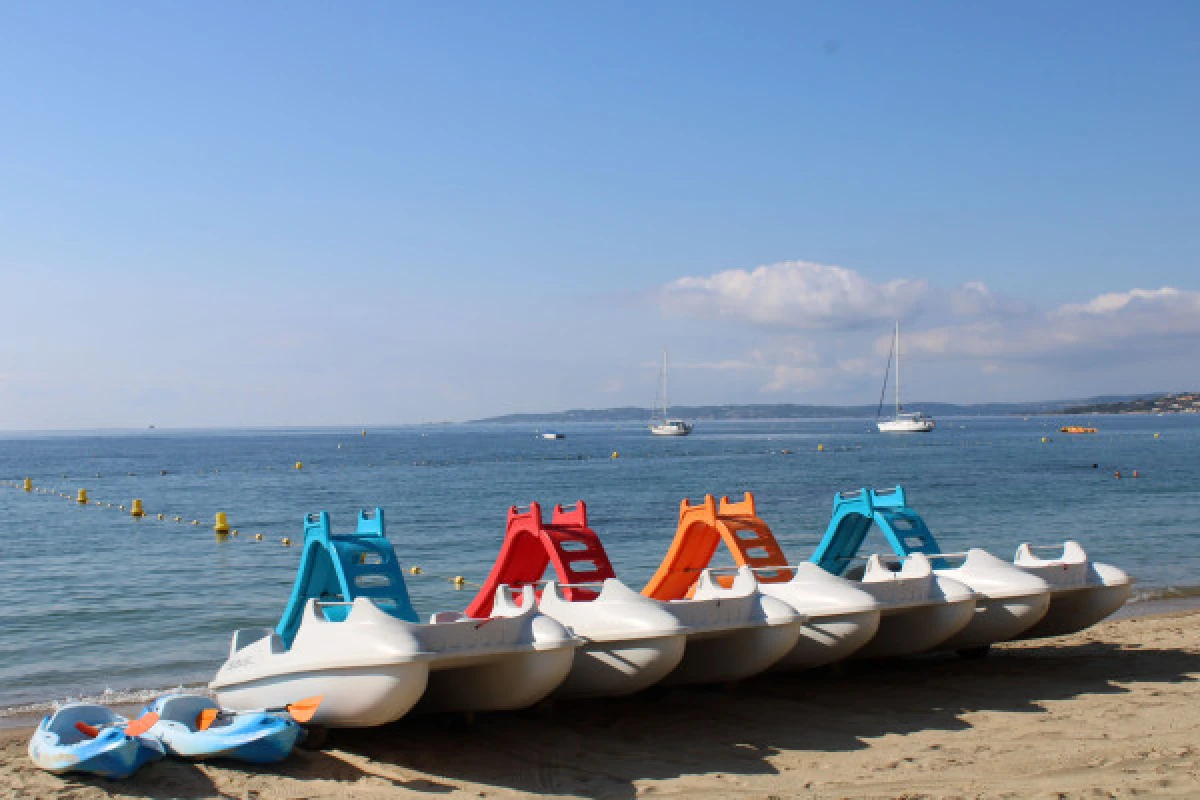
column 136, row 510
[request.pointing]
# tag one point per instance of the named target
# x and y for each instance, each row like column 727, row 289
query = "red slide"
column 530, row 546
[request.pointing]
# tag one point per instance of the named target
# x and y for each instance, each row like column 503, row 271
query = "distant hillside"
column 794, row 411
column 1176, row 403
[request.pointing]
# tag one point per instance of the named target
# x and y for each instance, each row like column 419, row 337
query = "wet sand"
column 1113, row 711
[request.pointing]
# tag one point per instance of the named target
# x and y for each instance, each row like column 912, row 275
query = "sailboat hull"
column 905, row 425
column 670, row 430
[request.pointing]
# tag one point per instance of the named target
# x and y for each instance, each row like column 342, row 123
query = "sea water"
column 99, row 604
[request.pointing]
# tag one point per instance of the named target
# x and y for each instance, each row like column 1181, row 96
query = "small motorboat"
column 1082, row 593
column 553, row 435
column 351, row 635
column 839, row 617
column 630, row 642
column 1008, row 601
column 93, row 739
column 193, row 726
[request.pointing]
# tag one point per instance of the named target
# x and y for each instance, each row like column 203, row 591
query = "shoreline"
column 1096, row 713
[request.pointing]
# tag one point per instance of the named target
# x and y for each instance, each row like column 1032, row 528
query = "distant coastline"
column 1177, row 403
column 1142, row 403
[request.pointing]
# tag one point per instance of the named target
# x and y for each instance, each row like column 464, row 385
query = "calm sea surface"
column 99, row 602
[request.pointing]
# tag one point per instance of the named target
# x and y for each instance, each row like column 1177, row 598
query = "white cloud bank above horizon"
column 815, row 318
column 800, row 295
column 1120, row 324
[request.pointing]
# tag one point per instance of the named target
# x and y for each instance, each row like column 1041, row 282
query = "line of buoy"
column 221, row 527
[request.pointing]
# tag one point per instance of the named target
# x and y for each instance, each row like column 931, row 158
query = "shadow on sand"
column 604, row 746
column 599, row 748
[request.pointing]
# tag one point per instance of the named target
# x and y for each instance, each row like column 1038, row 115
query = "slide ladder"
column 853, row 514
column 701, row 529
column 530, row 546
column 337, row 568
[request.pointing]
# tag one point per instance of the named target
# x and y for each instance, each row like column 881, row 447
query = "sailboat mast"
column 664, row 383
column 897, row 368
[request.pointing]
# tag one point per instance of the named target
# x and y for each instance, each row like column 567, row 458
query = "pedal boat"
column 629, row 641
column 1008, row 600
column 88, row 738
column 1083, row 592
column 350, row 634
column 735, row 631
column 921, row 610
column 256, row 737
column 839, row 617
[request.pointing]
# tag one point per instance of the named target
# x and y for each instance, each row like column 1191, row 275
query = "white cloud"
column 825, row 329
column 1119, row 323
column 799, row 295
column 975, row 299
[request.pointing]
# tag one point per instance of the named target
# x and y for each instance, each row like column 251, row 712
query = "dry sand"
column 1114, row 711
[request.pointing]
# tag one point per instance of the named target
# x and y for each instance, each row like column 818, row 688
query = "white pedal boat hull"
column 373, row 668
column 840, row 617
column 511, row 660
column 370, row 668
column 629, row 641
column 919, row 610
column 1009, row 600
column 733, row 633
column 1083, row 592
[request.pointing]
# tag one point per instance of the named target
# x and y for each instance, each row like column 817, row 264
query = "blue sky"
column 365, row 213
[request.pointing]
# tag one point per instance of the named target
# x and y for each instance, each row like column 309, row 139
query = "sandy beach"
column 1111, row 712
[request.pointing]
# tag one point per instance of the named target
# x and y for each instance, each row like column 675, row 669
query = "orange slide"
column 700, row 531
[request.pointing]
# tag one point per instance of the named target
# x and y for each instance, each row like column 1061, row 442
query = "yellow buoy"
column 222, row 523
column 1157, row 435
column 28, row 485
column 233, row 532
column 161, row 517
column 287, row 542
column 81, row 498
column 615, row 454
column 136, row 510
column 414, row 570
column 179, row 519
column 120, row 508
column 195, row 522
column 258, row 537
column 459, row 581
column 820, row 448
column 299, row 465
column 1044, row 440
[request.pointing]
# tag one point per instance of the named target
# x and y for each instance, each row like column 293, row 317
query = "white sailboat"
column 663, row 425
column 903, row 422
